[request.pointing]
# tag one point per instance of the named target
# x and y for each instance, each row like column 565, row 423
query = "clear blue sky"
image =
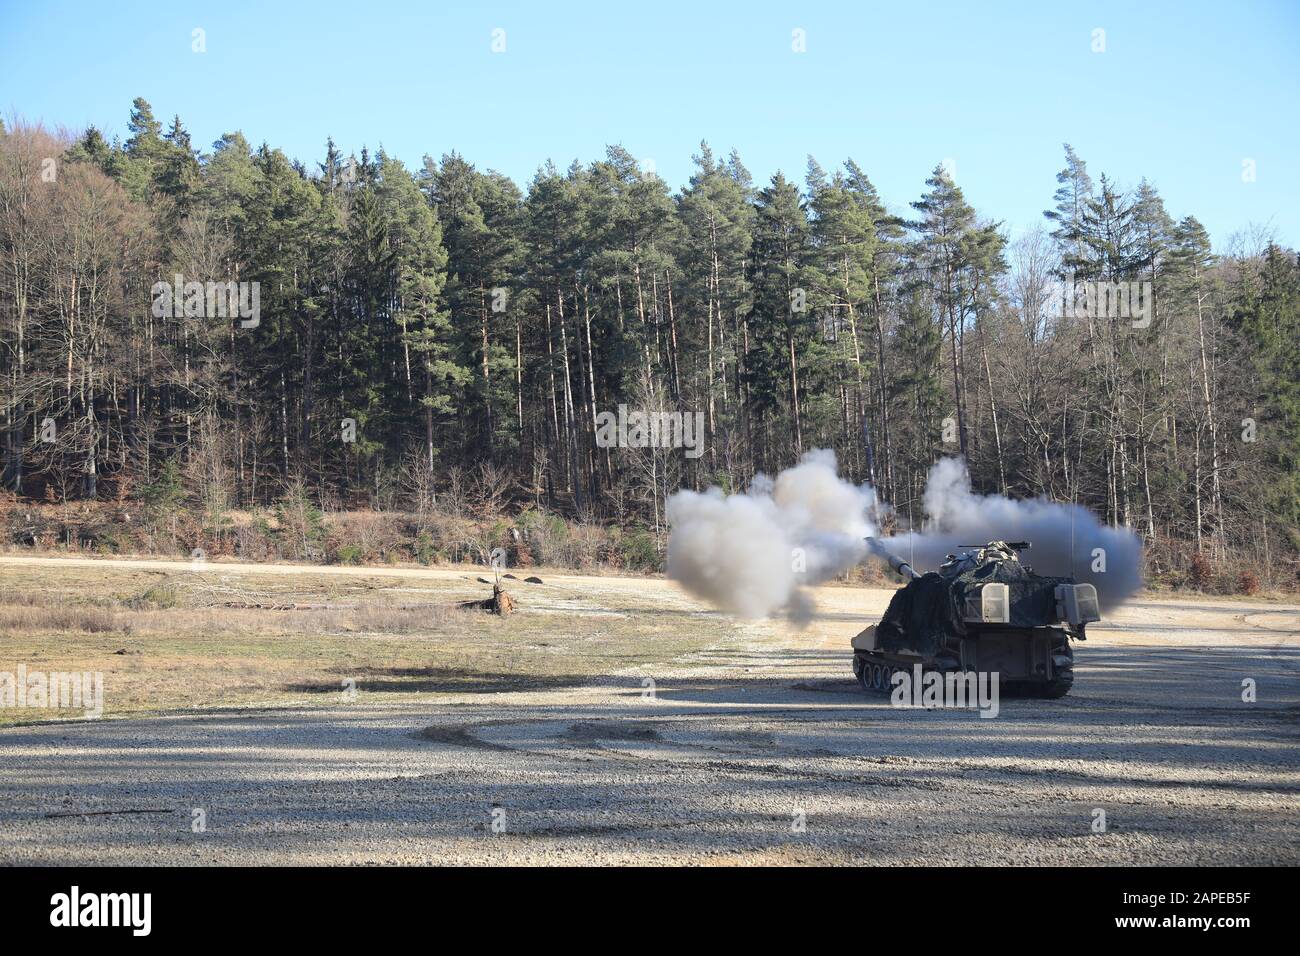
column 1184, row 92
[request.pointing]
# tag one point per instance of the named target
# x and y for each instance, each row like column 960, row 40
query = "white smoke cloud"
column 1067, row 539
column 755, row 554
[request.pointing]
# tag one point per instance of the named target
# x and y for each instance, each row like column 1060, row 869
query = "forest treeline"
column 437, row 331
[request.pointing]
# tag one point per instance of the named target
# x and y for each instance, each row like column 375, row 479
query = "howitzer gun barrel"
column 898, row 564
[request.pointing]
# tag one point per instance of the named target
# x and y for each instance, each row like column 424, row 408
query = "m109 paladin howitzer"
column 982, row 611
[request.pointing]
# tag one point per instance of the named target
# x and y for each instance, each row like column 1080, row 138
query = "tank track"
column 1062, row 675
column 875, row 673
column 1062, row 670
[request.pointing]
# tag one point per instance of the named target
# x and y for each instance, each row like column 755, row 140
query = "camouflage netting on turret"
column 921, row 614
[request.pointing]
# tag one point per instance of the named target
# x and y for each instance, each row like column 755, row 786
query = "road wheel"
column 1062, row 669
column 864, row 676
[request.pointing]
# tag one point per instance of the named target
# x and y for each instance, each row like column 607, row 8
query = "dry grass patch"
column 90, row 620
column 168, row 642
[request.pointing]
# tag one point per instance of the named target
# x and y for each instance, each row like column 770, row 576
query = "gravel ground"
column 760, row 749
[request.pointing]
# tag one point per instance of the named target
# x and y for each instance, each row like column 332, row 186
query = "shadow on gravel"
column 1129, row 683
column 449, row 680
column 1191, row 679
column 1158, row 736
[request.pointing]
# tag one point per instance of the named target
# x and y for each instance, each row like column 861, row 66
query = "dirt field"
column 612, row 720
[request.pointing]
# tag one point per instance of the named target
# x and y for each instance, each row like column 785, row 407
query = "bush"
column 162, row 596
column 425, row 548
column 302, row 526
column 584, row 547
column 1200, row 572
column 253, row 540
column 165, row 495
column 1248, row 583
column 349, row 554
column 640, row 552
column 548, row 540
column 110, row 540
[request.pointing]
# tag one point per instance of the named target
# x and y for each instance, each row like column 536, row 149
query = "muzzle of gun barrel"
column 898, row 564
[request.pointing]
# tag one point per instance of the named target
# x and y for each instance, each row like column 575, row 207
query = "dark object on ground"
column 533, row 580
column 499, row 603
column 981, row 612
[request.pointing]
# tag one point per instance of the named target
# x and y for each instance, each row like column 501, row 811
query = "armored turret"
column 982, row 611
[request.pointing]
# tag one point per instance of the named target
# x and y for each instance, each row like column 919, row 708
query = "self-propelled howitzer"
column 982, row 611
